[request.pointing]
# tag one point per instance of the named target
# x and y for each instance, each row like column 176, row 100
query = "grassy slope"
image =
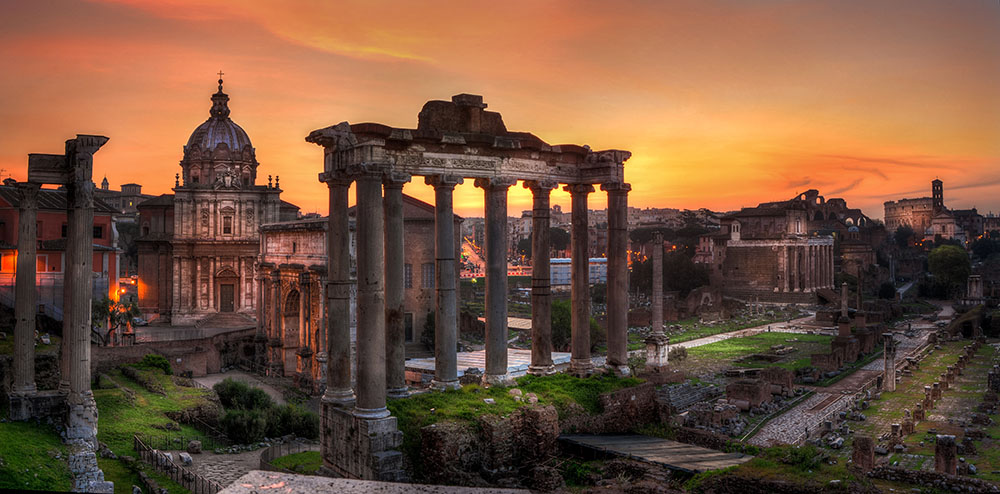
column 691, row 329
column 118, row 420
column 7, row 345
column 32, row 447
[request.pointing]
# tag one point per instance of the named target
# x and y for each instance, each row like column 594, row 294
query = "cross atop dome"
column 220, row 80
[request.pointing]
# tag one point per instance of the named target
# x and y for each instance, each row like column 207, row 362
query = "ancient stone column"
column 338, row 295
column 889, row 363
column 82, row 418
column 786, row 269
column 657, row 343
column 395, row 337
column 541, row 291
column 863, row 454
column 24, row 291
column 807, row 254
column 617, row 285
column 496, row 279
column 657, row 303
column 446, row 310
column 945, row 455
column 306, row 348
column 371, row 296
column 936, row 391
column 844, row 322
column 260, row 337
column 276, row 360
column 794, row 271
column 580, row 363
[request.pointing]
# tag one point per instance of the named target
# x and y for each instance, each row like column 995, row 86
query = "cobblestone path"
column 226, row 468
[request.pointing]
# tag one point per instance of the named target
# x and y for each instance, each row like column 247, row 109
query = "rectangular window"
column 65, row 230
column 40, row 262
column 408, row 327
column 98, row 231
column 408, row 275
column 427, row 275
column 227, row 225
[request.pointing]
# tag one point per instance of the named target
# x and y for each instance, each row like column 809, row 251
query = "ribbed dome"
column 219, row 128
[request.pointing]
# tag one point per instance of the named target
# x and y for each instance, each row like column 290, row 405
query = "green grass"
column 28, row 449
column 691, row 329
column 735, row 348
column 7, row 345
column 798, row 467
column 306, row 462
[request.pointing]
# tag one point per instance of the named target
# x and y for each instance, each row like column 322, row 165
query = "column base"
column 339, row 397
column 503, row 380
column 37, row 405
column 541, row 370
column 619, row 370
column 581, row 367
column 29, row 389
column 445, row 385
column 370, row 413
column 361, row 448
column 81, row 419
column 398, row 393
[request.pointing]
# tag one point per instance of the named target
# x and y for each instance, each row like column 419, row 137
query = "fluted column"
column 617, row 284
column 371, row 296
column 541, row 291
column 580, row 362
column 786, row 269
column 808, row 258
column 446, row 309
column 395, row 337
column 338, row 295
column 793, row 258
column 496, row 279
column 276, row 364
column 24, row 291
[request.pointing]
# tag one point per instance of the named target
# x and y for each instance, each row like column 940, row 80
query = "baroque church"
column 197, row 247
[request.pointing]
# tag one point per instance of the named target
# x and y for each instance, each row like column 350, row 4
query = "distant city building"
column 125, row 201
column 930, row 219
column 198, row 246
column 560, row 270
column 50, row 257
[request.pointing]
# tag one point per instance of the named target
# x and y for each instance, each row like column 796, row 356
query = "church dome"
column 219, row 128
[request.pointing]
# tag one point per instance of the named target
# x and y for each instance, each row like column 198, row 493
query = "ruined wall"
column 937, row 480
column 623, row 410
column 202, row 356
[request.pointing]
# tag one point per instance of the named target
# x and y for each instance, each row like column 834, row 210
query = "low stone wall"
column 46, row 371
column 701, row 437
column 937, row 480
column 496, row 450
column 623, row 411
column 199, row 356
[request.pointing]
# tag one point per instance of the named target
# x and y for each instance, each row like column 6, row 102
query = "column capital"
column 28, row 194
column 577, row 189
column 494, row 183
column 336, row 178
column 443, row 181
column 276, row 275
column 395, row 180
column 368, row 170
column 538, row 186
column 616, row 187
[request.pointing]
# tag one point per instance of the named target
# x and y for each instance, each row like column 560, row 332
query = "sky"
column 723, row 103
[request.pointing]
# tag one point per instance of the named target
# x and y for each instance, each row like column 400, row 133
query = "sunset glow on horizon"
column 723, row 104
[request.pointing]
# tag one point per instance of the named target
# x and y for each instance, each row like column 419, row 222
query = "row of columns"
column 807, row 267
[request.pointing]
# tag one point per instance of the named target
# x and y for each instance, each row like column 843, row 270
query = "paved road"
column 790, row 427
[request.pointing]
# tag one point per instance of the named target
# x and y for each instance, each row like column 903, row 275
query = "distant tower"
column 937, row 194
column 104, row 184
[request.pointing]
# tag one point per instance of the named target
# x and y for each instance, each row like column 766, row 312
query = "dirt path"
column 795, row 326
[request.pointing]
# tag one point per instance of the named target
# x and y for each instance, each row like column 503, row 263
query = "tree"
column 887, row 291
column 949, row 264
column 983, row 247
column 558, row 238
column 902, row 236
column 524, row 247
column 680, row 274
column 108, row 316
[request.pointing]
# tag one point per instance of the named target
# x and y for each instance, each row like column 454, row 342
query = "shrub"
column 677, row 353
column 244, row 426
column 886, row 291
column 235, row 394
column 153, row 361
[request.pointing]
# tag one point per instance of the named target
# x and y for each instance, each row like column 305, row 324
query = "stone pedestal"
column 945, row 455
column 918, row 414
column 863, row 454
column 936, row 391
column 361, row 448
column 657, row 351
column 889, row 364
column 37, row 405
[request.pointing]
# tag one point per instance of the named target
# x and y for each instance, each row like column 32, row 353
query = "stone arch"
column 290, row 310
column 849, row 221
column 818, row 216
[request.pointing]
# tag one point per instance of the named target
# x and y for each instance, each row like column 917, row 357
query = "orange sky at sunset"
column 723, row 103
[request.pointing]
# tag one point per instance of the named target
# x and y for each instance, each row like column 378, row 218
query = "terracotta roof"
column 160, row 200
column 49, row 200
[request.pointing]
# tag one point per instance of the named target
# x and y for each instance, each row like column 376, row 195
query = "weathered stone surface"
column 194, row 447
column 863, row 455
column 260, row 481
column 945, row 455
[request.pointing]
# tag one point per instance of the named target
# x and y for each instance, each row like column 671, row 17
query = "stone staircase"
column 227, row 320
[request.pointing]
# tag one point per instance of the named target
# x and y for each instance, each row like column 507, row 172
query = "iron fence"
column 180, row 442
column 187, row 478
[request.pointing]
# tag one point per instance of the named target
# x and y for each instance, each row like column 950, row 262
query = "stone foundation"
column 39, row 405
column 361, row 448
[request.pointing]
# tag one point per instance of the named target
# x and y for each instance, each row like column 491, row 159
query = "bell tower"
column 937, row 195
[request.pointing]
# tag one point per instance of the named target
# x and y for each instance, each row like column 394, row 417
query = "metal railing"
column 179, row 441
column 187, row 478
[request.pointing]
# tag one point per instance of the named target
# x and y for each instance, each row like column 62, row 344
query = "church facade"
column 198, row 246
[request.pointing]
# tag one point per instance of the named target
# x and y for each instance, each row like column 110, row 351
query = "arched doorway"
column 290, row 330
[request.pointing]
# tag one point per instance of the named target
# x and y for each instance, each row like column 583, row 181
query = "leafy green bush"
column 244, row 426
column 153, row 361
column 677, row 353
column 235, row 394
